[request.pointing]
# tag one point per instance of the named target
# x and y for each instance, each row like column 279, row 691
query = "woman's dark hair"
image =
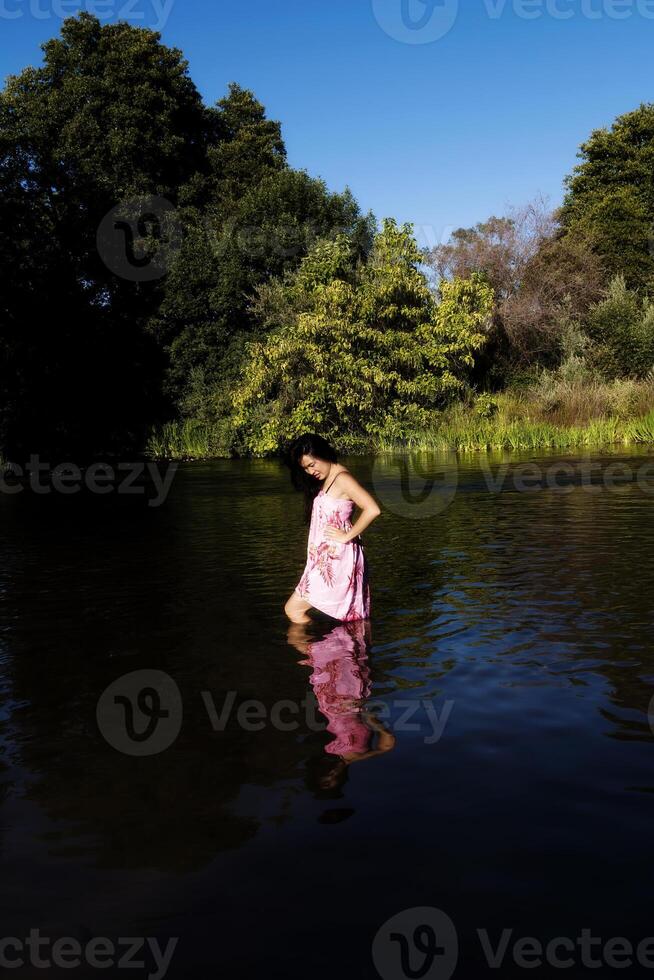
column 325, row 776
column 309, row 444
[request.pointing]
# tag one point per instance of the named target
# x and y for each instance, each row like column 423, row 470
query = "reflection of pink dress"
column 335, row 579
column 341, row 682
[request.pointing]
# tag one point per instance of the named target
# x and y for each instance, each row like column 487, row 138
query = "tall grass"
column 519, row 424
column 190, row 440
column 182, row 439
column 560, row 412
column 476, row 436
column 642, row 430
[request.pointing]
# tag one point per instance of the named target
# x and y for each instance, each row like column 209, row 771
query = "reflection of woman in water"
column 341, row 682
column 335, row 578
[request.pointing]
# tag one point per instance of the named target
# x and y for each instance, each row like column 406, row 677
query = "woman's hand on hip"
column 337, row 534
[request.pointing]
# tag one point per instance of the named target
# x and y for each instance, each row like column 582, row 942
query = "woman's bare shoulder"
column 344, row 482
column 351, row 489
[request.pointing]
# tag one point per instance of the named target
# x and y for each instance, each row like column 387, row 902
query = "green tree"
column 540, row 277
column 231, row 249
column 90, row 358
column 111, row 114
column 369, row 353
column 249, row 146
column 621, row 328
column 610, row 196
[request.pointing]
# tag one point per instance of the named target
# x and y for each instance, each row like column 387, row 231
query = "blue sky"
column 442, row 133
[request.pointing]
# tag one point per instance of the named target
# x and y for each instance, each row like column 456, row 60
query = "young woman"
column 335, row 579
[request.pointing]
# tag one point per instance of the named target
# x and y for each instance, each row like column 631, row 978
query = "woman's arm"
column 367, row 504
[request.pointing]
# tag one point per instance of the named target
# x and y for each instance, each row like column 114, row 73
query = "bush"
column 621, row 328
column 485, row 407
column 364, row 354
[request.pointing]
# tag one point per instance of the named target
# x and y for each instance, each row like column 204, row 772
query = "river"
column 495, row 714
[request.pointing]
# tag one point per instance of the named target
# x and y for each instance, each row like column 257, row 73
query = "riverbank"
column 509, row 421
column 555, row 414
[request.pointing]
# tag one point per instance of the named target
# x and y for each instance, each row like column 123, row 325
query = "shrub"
column 485, row 407
column 370, row 355
column 622, row 330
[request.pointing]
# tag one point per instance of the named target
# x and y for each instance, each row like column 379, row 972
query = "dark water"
column 494, row 717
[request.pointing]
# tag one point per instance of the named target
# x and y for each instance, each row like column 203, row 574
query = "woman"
column 335, row 579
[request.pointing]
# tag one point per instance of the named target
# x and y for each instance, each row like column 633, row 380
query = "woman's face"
column 318, row 468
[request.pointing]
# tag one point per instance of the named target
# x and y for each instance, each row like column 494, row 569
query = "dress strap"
column 333, row 482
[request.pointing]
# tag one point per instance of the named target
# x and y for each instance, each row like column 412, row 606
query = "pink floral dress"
column 341, row 682
column 335, row 578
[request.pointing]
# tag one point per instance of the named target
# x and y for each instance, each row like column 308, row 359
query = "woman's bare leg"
column 296, row 609
column 298, row 636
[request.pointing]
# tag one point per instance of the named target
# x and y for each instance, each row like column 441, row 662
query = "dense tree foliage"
column 161, row 260
column 363, row 350
column 109, row 116
column 111, row 127
column 541, row 279
column 226, row 254
column 610, row 196
column 621, row 328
